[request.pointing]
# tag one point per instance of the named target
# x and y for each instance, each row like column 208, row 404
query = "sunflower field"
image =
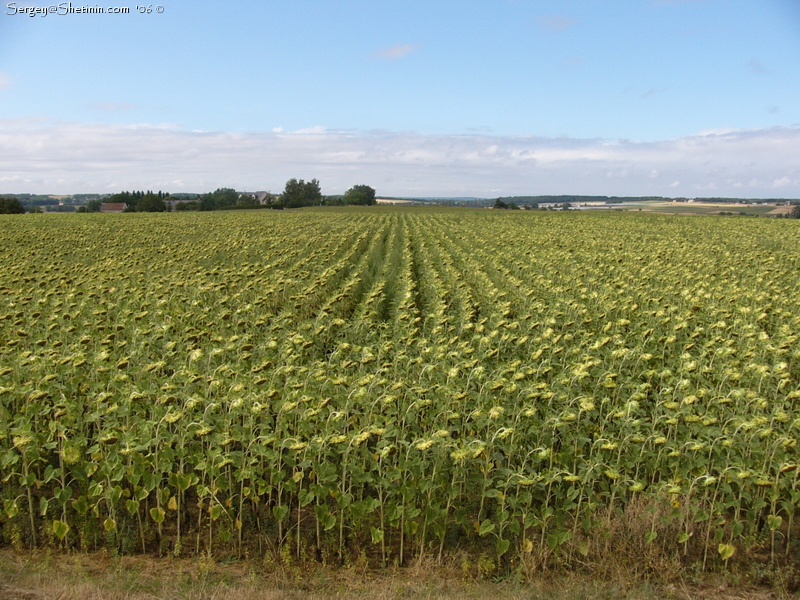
column 400, row 382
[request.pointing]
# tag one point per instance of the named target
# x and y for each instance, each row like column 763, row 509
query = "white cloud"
column 5, row 81
column 396, row 52
column 42, row 156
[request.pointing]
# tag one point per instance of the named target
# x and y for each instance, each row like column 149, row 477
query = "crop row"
column 402, row 381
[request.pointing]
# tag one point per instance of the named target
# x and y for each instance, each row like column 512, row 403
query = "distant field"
column 391, row 201
column 710, row 208
column 527, row 388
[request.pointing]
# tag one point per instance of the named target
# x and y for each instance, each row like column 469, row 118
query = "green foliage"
column 403, row 381
column 505, row 205
column 11, row 206
column 361, row 195
column 190, row 205
column 151, row 202
column 298, row 193
column 93, row 205
column 137, row 201
column 219, row 198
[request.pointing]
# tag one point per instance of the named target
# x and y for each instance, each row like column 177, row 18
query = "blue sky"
column 450, row 98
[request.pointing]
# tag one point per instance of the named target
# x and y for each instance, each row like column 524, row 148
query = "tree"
column 93, row 206
column 795, row 212
column 224, row 197
column 151, row 203
column 299, row 193
column 187, row 205
column 219, row 198
column 359, row 194
column 11, row 206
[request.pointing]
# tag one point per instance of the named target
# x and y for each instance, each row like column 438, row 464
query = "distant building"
column 260, row 197
column 113, row 207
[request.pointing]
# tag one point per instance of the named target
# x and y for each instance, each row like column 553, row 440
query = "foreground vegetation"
column 101, row 576
column 534, row 389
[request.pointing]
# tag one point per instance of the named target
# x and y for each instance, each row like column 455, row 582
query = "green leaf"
column 11, row 508
column 774, row 522
column 157, row 514
column 683, row 537
column 486, row 528
column 61, row 529
column 183, row 482
column 377, row 535
column 305, row 497
column 701, row 516
column 554, row 540
column 280, row 512
column 114, row 494
column 726, row 551
column 81, row 505
column 215, row 511
column 502, row 546
column 650, row 536
column 63, row 494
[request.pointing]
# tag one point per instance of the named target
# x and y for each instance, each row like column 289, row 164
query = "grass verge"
column 97, row 576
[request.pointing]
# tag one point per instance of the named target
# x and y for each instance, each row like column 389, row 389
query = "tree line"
column 296, row 194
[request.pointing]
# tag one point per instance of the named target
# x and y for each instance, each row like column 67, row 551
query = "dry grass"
column 98, row 576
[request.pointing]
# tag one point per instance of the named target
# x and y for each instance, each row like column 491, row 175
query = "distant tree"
column 11, row 206
column 505, row 205
column 224, row 197
column 795, row 212
column 93, row 206
column 151, row 203
column 359, row 194
column 299, row 193
column 219, row 198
